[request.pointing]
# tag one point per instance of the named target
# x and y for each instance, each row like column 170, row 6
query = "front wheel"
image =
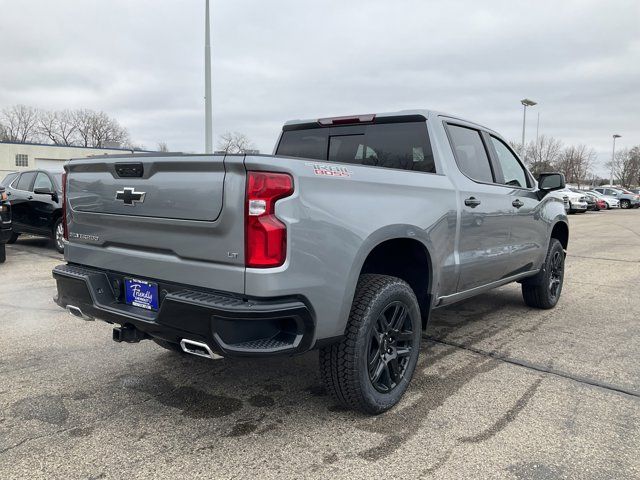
column 625, row 204
column 370, row 369
column 12, row 239
column 58, row 235
column 543, row 290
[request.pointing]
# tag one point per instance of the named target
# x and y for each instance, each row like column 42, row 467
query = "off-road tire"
column 538, row 292
column 344, row 366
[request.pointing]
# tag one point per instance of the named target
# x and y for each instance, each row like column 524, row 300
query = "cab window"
column 513, row 172
column 470, row 153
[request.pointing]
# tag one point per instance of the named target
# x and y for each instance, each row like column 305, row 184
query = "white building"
column 26, row 156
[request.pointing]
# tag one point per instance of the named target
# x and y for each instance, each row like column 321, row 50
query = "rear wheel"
column 625, row 204
column 370, row 369
column 12, row 239
column 543, row 290
column 3, row 253
column 58, row 235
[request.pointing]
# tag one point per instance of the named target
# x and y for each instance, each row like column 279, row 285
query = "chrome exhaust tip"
column 199, row 349
column 76, row 312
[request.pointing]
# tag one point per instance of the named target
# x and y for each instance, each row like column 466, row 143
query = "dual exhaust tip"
column 130, row 334
column 198, row 349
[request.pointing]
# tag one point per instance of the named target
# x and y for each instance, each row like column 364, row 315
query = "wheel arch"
column 560, row 231
column 400, row 251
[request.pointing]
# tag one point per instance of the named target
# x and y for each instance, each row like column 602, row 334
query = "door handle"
column 517, row 203
column 8, row 194
column 472, row 202
column 30, row 197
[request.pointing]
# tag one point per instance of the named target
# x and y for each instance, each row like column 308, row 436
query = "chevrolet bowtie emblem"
column 129, row 196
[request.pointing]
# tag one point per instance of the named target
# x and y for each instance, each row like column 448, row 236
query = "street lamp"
column 208, row 133
column 525, row 103
column 613, row 156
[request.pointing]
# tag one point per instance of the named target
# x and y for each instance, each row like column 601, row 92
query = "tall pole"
column 524, row 122
column 613, row 157
column 208, row 133
column 538, row 128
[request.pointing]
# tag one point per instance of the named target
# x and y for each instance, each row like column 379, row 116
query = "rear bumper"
column 230, row 325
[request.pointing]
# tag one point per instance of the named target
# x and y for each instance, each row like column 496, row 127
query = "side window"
column 25, row 181
column 310, row 143
column 514, row 173
column 470, row 153
column 43, row 181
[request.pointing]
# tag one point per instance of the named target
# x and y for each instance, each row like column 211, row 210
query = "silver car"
column 612, row 202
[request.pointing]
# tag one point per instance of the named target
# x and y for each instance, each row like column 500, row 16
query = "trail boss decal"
column 329, row 170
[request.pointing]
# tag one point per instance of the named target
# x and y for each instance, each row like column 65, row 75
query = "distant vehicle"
column 577, row 201
column 635, row 190
column 612, row 202
column 627, row 200
column 5, row 223
column 36, row 203
column 590, row 199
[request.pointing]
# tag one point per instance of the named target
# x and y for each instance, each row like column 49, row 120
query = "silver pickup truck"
column 343, row 241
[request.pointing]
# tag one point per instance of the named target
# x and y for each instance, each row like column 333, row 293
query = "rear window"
column 26, row 179
column 403, row 146
column 8, row 179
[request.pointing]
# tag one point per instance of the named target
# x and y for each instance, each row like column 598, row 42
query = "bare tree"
column 234, row 142
column 575, row 162
column 59, row 127
column 20, row 123
column 543, row 154
column 162, row 147
column 97, row 128
column 626, row 166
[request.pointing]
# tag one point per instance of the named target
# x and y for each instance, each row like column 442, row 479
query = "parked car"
column 344, row 240
column 590, row 199
column 577, row 201
column 612, row 202
column 36, row 202
column 635, row 190
column 5, row 223
column 627, row 200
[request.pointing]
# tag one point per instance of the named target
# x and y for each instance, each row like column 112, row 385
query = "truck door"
column 528, row 228
column 483, row 246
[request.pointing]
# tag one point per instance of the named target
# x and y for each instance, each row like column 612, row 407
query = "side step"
column 198, row 349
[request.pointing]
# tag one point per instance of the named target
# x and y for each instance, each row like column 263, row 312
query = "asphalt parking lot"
column 501, row 390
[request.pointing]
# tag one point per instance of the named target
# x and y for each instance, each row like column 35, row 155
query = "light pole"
column 613, row 156
column 525, row 103
column 208, row 134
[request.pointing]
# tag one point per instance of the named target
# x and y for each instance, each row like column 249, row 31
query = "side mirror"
column 548, row 182
column 43, row 191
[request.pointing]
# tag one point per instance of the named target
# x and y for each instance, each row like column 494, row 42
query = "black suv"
column 36, row 203
column 5, row 223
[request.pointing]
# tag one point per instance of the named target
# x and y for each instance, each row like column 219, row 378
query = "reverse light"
column 65, row 227
column 265, row 234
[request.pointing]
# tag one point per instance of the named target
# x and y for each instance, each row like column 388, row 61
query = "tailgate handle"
column 129, row 170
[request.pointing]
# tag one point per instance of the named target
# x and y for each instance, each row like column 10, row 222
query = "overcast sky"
column 141, row 61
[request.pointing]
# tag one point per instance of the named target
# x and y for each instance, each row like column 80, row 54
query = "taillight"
column 266, row 235
column 65, row 228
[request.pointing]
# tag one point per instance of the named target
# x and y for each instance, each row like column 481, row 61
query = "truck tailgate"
column 172, row 217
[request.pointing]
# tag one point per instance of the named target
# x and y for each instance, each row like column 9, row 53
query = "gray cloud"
column 142, row 61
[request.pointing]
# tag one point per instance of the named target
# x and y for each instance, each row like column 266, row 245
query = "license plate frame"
column 141, row 294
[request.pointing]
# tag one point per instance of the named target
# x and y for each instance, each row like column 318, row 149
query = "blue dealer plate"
column 140, row 293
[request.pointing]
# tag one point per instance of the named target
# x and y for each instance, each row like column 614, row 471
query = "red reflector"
column 65, row 227
column 266, row 235
column 347, row 120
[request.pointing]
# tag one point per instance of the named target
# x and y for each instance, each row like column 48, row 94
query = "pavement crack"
column 535, row 367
